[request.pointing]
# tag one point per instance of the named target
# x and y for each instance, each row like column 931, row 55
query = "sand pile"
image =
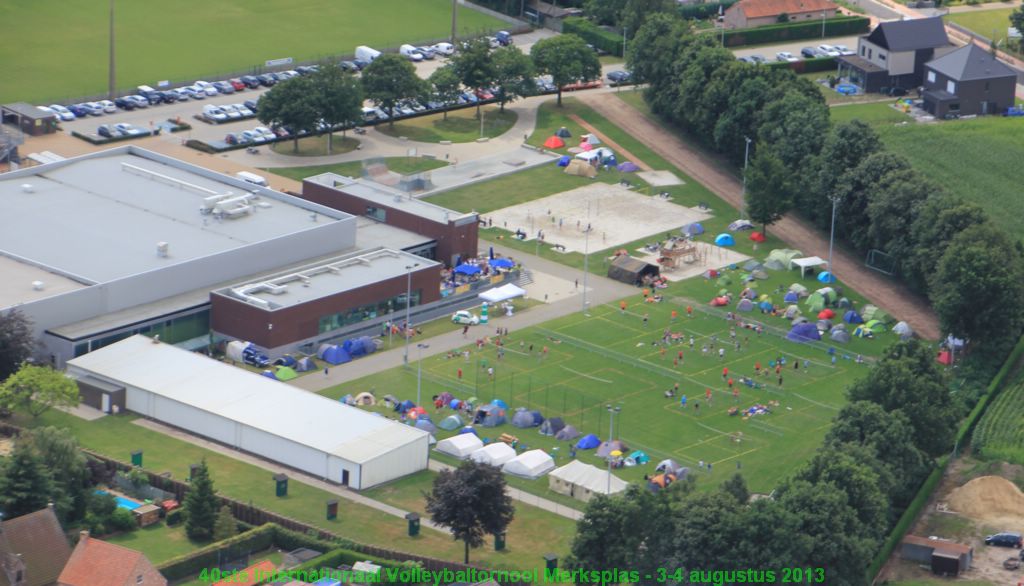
column 988, row 497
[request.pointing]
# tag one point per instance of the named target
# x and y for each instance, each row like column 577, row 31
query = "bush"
column 95, row 524
column 777, row 33
column 209, row 556
column 806, row 65
column 593, row 34
column 174, row 518
column 705, row 10
column 122, row 520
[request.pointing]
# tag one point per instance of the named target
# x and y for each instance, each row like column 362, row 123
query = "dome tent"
column 792, row 312
column 784, row 256
column 791, row 297
column 426, row 426
column 333, row 354
column 567, row 433
column 286, row 360
column 871, row 312
column 305, row 364
column 902, row 329
column 365, row 398
column 588, row 442
column 824, row 325
column 450, row 423
column 639, row 457
column 524, row 418
column 693, row 229
column 285, row 373
column 805, row 332
column 552, row 426
column 752, row 265
column 724, row 239
column 852, row 317
column 839, row 335
column 606, row 448
column 745, row 305
column 773, row 264
column 669, row 466
column 489, row 416
column 815, row 303
column 799, row 289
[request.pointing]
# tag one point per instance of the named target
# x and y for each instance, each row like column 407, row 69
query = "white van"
column 411, row 53
column 252, row 178
column 364, row 53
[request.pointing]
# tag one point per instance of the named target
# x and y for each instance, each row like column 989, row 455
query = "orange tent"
column 554, row 142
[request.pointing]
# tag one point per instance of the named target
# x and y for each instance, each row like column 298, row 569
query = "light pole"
column 823, row 14
column 746, row 159
column 111, row 75
column 612, row 412
column 624, row 29
column 586, row 259
column 419, row 370
column 408, row 307
column 835, row 199
column 455, row 9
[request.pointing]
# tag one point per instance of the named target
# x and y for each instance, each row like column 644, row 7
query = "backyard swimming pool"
column 122, row 502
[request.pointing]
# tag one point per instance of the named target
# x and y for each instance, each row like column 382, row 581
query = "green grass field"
column 158, row 541
column 460, row 126
column 193, row 39
column 984, row 22
column 402, row 165
column 877, row 113
column 999, row 435
column 316, row 146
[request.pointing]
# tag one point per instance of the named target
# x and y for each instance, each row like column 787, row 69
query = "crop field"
column 984, row 22
column 611, row 357
column 999, row 435
column 59, row 50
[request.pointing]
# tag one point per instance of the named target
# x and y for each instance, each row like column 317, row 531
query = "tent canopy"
column 460, row 446
column 495, row 454
column 466, row 269
column 627, row 269
column 808, row 262
column 503, row 293
column 531, row 464
column 588, row 442
column 579, row 479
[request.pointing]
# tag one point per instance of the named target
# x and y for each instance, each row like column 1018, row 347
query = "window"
column 986, row 86
column 955, row 107
column 355, row 315
column 376, row 213
column 863, row 50
column 951, row 87
column 881, row 56
column 869, row 53
column 931, row 77
column 138, row 579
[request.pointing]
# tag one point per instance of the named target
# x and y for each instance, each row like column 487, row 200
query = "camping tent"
column 875, row 326
column 826, row 277
column 745, row 305
column 500, row 403
column 804, row 332
column 531, row 464
column 839, row 334
column 628, row 167
column 792, row 312
column 844, row 303
column 583, row 481
column 426, row 425
column 758, row 237
column 588, row 442
column 816, row 302
column 404, row 406
column 285, row 373
column 901, row 329
column 740, row 225
column 784, row 256
column 759, row 274
column 724, row 281
column 333, row 354
column 627, row 269
column 494, row 454
column 460, row 446
column 852, row 317
column 660, row 482
column 269, row 374
column 826, row 314
column 871, row 312
column 524, row 418
column 469, row 429
column 554, row 142
column 824, row 325
column 450, row 423
column 606, row 448
column 724, row 239
column 286, row 360
column 799, row 289
column 563, row 161
column 791, row 297
column 638, row 457
column 489, row 416
column 567, row 433
column 365, row 398
column 563, row 132
column 693, row 229
column 752, row 265
column 774, row 264
column 445, row 398
column 552, row 426
column 305, row 364
column 360, row 346
column 592, row 139
column 581, row 168
column 669, row 466
column 863, row 332
column 505, row 292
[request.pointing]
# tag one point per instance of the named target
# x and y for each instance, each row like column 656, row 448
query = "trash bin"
column 414, row 524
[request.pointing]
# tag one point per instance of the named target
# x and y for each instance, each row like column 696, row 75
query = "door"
column 344, row 477
column 984, row 108
column 105, row 407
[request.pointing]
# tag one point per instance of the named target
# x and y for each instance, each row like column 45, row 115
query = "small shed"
column 945, row 558
column 631, row 270
column 28, row 118
column 146, row 515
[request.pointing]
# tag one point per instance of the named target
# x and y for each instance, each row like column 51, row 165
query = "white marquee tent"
column 808, row 263
column 532, row 464
column 502, row 293
column 495, row 454
column 460, row 446
column 583, row 481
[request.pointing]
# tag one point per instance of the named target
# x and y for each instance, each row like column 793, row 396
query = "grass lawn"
column 975, row 159
column 461, row 125
column 158, row 542
column 316, row 146
column 401, row 165
column 154, row 43
column 833, row 97
column 984, row 22
column 617, row 363
column 878, row 113
column 118, row 436
column 274, row 557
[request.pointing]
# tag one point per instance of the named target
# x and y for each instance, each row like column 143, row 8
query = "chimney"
column 83, row 536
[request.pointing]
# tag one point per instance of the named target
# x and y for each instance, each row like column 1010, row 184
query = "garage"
column 254, row 414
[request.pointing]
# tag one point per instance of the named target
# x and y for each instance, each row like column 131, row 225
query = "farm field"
column 58, row 50
column 984, row 22
column 612, row 358
column 999, row 435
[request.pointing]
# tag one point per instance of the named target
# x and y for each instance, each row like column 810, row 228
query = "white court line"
column 600, row 380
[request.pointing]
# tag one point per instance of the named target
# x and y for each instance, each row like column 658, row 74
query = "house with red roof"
column 95, row 562
column 751, row 13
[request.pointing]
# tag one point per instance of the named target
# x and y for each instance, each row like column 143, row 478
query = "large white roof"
column 248, row 398
column 590, row 477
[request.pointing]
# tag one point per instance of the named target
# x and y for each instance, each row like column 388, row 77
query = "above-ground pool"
column 122, row 502
column 847, row 89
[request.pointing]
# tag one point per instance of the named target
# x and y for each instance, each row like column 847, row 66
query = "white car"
column 231, row 111
column 844, row 50
column 94, row 108
column 267, row 133
column 786, row 56
column 108, row 106
column 214, row 113
column 410, row 53
column 253, row 136
column 127, row 129
column 465, row 318
column 48, row 110
column 62, row 112
column 242, row 109
column 829, row 50
column 446, row 49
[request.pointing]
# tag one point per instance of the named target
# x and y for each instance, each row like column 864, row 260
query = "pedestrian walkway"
column 525, row 497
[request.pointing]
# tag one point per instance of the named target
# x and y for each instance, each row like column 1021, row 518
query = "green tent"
column 875, row 326
column 724, row 281
column 871, row 312
column 816, row 302
column 285, row 373
column 829, row 294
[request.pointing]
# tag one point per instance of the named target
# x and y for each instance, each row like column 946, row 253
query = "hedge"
column 705, row 10
column 338, row 557
column 593, row 34
column 208, row 557
column 777, row 33
column 806, row 65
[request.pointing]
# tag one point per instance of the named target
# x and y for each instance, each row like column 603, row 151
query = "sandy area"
column 617, row 216
column 660, row 178
column 549, row 288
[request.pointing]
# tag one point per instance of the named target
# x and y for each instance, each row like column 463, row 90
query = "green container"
column 499, row 542
column 137, row 458
column 281, row 481
column 332, row 510
column 414, row 524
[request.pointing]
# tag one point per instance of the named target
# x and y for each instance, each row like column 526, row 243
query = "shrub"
column 593, row 34
column 174, row 517
column 776, row 33
column 122, row 520
column 94, row 523
column 704, row 10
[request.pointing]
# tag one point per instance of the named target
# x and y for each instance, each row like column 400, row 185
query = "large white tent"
column 460, row 446
column 502, row 293
column 495, row 454
column 256, row 414
column 532, row 464
column 808, row 263
column 583, row 481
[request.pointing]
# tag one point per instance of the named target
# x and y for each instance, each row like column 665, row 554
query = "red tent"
column 553, row 142
column 720, row 301
column 945, row 357
column 826, row 314
column 757, row 237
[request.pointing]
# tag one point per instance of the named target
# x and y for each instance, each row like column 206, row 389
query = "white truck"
column 367, row 54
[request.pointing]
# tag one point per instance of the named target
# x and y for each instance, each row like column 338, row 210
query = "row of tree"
column 627, row 16
column 331, row 98
column 832, row 513
column 946, row 247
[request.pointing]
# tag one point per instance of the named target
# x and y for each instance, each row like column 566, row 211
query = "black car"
column 361, row 64
column 349, row 66
column 106, row 132
column 125, row 104
column 1004, row 540
column 307, row 69
column 251, row 81
column 154, row 97
column 266, row 79
column 810, row 53
column 252, row 104
column 78, row 110
column 620, row 77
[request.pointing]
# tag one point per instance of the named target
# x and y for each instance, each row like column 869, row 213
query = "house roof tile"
column 771, row 8
column 40, row 542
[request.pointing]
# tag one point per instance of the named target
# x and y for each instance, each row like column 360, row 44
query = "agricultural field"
column 58, row 50
column 985, row 23
column 999, row 435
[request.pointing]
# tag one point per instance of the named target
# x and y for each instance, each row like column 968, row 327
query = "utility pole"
column 823, row 14
column 111, row 75
column 408, row 308
column 746, row 159
column 455, row 11
column 832, row 237
column 586, row 258
column 612, row 412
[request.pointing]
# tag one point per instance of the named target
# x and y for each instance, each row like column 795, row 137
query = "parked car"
column 62, row 112
column 484, row 94
column 214, row 113
column 465, row 318
column 287, row 74
column 245, row 112
column 195, row 92
column 504, row 38
column 361, row 64
column 224, row 87
column 79, row 110
column 810, row 53
column 619, row 77
column 126, row 129
column 468, row 98
column 844, row 50
column 108, row 106
column 95, row 109
column 828, row 50
column 492, row 42
column 125, row 104
column 1004, row 540
column 307, row 69
column 48, row 110
column 169, row 97
column 544, row 86
column 267, row 133
column 267, row 79
column 231, row 111
column 106, row 131
column 410, row 53
column 252, row 105
column 349, row 66
column 445, row 49
column 253, row 137
column 151, row 96
column 786, row 56
column 582, row 85
column 234, row 138
column 140, row 102
column 250, row 81
column 427, row 53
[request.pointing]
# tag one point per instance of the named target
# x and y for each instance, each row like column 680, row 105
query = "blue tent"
column 425, row 425
column 639, row 457
column 404, row 406
column 465, row 269
column 791, row 297
column 489, row 416
column 286, row 360
column 803, row 332
column 269, row 374
column 852, row 317
column 693, row 229
column 588, row 442
column 333, row 354
column 826, row 277
column 766, row 305
column 725, row 240
column 563, row 161
column 500, row 403
column 360, row 346
column 467, row 429
column 501, row 263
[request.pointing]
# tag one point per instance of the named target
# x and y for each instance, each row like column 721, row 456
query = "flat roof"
column 100, row 217
column 373, row 234
column 17, row 283
column 323, row 279
column 391, row 198
column 248, row 398
column 27, row 111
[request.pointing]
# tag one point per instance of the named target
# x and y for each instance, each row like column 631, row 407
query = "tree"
column 567, row 59
column 513, row 75
column 844, row 148
column 768, row 190
column 892, row 207
column 854, row 189
column 737, row 487
column 793, row 126
column 940, row 219
column 38, row 388
column 291, row 104
column 17, row 342
column 737, row 120
column 390, row 79
column 472, row 502
column 859, row 482
column 225, row 526
column 977, row 288
column 700, row 62
column 201, row 505
column 613, row 531
column 474, row 65
column 1017, row 21
column 654, row 50
column 446, row 85
column 59, row 451
column 25, row 484
column 338, row 99
column 636, row 12
column 604, row 12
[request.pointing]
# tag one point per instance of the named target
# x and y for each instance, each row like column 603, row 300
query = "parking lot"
column 769, row 51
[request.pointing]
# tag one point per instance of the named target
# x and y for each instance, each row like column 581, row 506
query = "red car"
column 484, row 94
column 238, row 84
column 582, row 85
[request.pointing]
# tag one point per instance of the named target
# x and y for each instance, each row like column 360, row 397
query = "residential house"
column 33, row 549
column 751, row 13
column 894, row 54
column 95, row 562
column 968, row 81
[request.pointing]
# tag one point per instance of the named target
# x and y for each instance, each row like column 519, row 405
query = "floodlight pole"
column 111, row 75
column 823, row 14
column 408, row 308
column 586, row 259
column 746, row 159
column 419, row 370
column 831, row 236
column 612, row 412
column 455, row 10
